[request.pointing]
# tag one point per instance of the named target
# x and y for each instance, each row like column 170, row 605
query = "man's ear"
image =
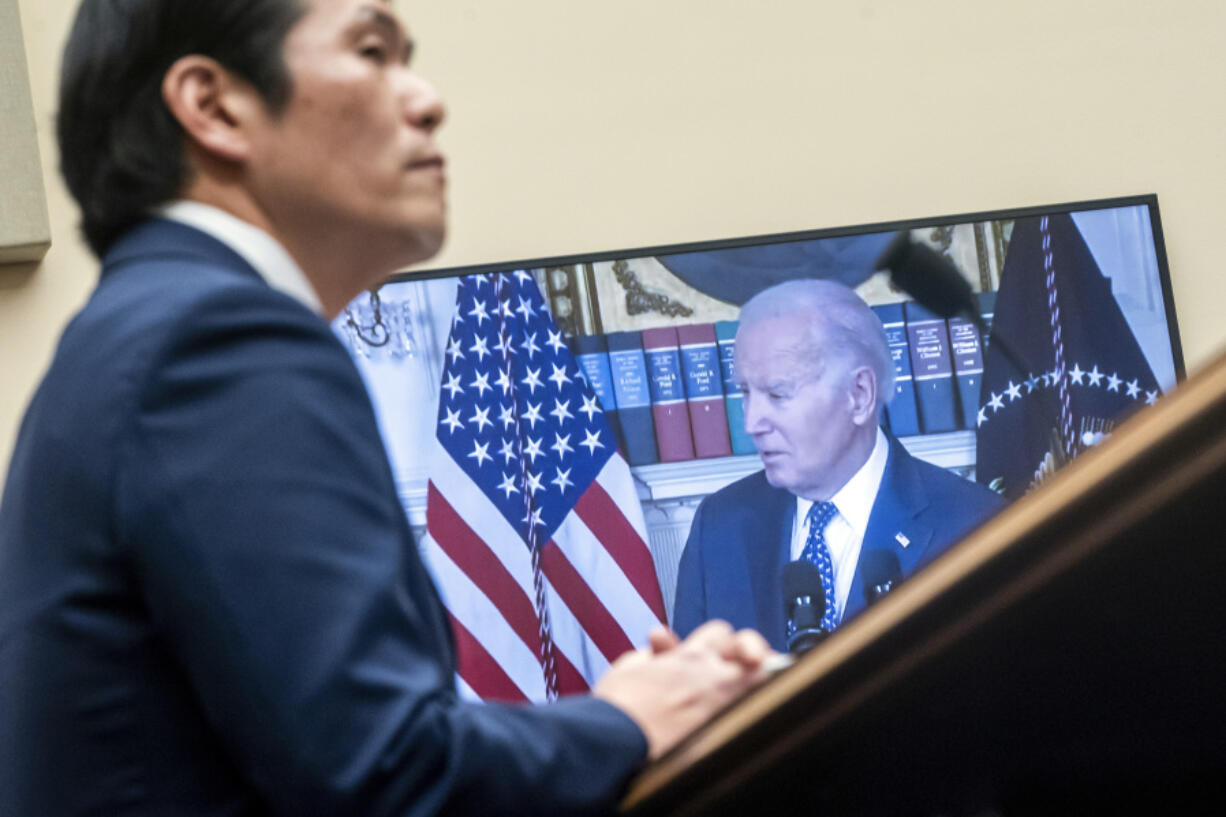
column 862, row 393
column 212, row 106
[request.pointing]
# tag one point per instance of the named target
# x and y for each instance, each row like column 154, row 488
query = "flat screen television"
column 554, row 423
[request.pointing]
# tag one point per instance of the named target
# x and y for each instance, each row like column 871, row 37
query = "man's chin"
column 431, row 241
column 420, row 244
column 776, row 476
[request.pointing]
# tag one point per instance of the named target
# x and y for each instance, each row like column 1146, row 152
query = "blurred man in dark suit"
column 815, row 370
column 210, row 599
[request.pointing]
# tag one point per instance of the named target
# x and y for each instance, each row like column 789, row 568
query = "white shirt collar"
column 844, row 534
column 856, row 498
column 259, row 249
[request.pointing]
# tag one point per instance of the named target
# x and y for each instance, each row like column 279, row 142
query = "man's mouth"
column 433, row 161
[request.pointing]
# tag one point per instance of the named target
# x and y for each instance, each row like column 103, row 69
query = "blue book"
column 628, row 369
column 967, row 348
column 592, row 355
column 902, row 413
column 932, row 367
column 734, row 402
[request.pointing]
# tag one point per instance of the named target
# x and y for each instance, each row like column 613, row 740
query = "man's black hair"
column 121, row 150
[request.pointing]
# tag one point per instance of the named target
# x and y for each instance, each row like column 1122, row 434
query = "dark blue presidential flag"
column 1083, row 369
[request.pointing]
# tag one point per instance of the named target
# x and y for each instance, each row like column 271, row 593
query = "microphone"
column 881, row 573
column 930, row 278
column 935, row 283
column 804, row 604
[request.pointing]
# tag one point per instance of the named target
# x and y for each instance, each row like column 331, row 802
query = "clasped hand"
column 672, row 687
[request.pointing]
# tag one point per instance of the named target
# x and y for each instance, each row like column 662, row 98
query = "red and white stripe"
column 603, row 595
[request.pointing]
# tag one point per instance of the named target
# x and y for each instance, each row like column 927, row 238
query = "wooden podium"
column 1069, row 657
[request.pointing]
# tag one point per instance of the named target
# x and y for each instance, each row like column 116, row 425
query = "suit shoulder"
column 155, row 319
column 748, row 498
column 156, row 301
column 945, row 486
column 748, row 488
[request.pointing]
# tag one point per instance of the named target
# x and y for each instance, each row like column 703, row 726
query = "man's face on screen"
column 352, row 155
column 798, row 408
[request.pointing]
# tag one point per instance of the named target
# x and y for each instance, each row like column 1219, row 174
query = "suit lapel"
column 893, row 524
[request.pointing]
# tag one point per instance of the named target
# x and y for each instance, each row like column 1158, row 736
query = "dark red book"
column 704, row 390
column 669, row 407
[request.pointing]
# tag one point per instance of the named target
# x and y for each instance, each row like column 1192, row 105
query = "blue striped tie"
column 818, row 554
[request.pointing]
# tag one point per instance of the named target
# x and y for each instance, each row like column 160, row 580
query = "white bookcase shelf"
column 676, row 480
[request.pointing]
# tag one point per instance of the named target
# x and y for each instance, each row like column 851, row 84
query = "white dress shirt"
column 845, row 532
column 256, row 247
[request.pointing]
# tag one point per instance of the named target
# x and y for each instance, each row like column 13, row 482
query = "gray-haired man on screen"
column 814, row 368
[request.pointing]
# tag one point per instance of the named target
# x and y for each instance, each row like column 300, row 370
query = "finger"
column 746, row 647
column 710, row 636
column 662, row 639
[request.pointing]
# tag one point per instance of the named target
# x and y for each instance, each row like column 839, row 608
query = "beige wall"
column 578, row 126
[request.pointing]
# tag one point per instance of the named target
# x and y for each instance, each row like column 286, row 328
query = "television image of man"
column 814, row 368
column 211, row 601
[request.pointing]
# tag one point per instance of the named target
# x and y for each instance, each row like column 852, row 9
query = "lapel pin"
column 901, row 539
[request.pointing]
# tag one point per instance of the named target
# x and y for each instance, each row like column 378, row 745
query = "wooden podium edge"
column 1099, row 478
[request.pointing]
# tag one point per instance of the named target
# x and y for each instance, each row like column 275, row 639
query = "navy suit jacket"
column 741, row 537
column 210, row 598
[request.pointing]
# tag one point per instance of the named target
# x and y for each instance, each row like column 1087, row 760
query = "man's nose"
column 757, row 419
column 424, row 107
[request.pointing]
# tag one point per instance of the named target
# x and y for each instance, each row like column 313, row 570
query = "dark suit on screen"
column 741, row 537
column 210, row 598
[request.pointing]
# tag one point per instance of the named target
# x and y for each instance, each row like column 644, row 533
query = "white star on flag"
column 482, row 419
column 562, row 480
column 533, row 381
column 508, row 484
column 481, row 349
column 559, row 378
column 561, row 410
column 479, row 453
column 533, row 415
column 562, row 445
column 591, row 407
column 478, row 312
column 482, row 384
column 591, row 440
column 453, row 420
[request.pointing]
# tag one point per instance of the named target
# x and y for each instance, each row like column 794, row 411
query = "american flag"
column 535, row 534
